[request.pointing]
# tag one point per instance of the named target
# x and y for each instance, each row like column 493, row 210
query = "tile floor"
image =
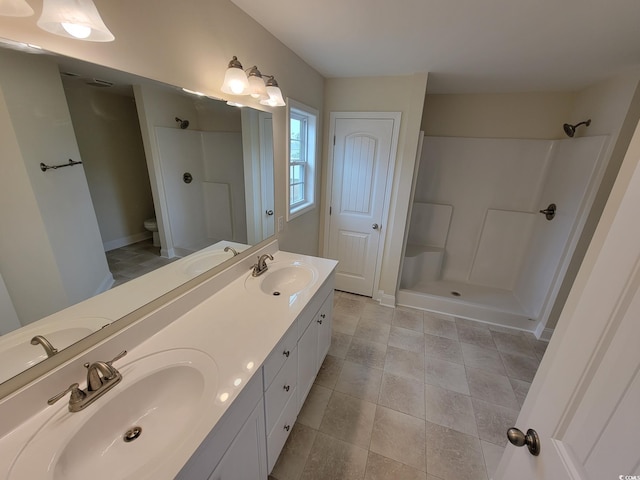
column 134, row 260
column 407, row 395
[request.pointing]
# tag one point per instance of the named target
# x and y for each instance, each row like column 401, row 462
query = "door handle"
column 375, row 226
column 519, row 439
column 269, row 212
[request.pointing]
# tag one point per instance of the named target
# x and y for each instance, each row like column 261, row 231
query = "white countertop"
column 237, row 328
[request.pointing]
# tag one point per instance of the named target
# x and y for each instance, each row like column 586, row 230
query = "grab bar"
column 44, row 167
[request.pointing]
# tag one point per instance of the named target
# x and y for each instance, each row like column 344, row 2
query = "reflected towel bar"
column 44, row 167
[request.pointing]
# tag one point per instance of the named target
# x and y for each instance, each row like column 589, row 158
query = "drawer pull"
column 286, row 388
column 287, row 427
column 286, row 353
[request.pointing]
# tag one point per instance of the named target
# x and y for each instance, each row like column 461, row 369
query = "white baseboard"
column 386, row 300
column 124, row 241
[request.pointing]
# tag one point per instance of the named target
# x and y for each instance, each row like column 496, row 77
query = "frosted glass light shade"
column 257, row 88
column 77, row 19
column 235, row 82
column 15, row 8
column 275, row 97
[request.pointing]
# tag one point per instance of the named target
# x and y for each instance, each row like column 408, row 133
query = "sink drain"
column 275, row 294
column 455, row 294
column 131, row 434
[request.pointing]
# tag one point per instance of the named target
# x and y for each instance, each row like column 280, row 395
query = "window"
column 303, row 122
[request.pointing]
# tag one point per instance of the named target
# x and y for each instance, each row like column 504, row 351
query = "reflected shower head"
column 183, row 123
column 570, row 130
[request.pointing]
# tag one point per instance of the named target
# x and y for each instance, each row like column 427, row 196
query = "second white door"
column 363, row 152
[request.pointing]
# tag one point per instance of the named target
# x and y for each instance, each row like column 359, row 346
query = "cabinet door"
column 323, row 323
column 246, row 458
column 307, row 361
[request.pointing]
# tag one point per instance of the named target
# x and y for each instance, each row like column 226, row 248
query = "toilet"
column 152, row 226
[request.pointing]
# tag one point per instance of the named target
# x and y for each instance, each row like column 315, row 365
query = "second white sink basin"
column 201, row 262
column 127, row 432
column 286, row 279
column 17, row 353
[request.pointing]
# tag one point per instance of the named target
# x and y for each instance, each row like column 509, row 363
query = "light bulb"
column 236, row 87
column 77, row 31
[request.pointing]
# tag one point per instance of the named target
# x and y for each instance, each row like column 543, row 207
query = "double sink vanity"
column 212, row 383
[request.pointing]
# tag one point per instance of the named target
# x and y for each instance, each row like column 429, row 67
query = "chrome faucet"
column 261, row 267
column 231, row 249
column 101, row 377
column 49, row 349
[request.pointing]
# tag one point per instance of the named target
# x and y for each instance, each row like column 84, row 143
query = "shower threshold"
column 474, row 302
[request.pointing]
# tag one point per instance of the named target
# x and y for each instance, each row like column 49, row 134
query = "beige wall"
column 384, row 94
column 505, row 115
column 190, row 46
column 108, row 135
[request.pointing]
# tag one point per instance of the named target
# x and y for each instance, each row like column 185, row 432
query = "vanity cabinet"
column 313, row 346
column 245, row 457
column 248, row 439
column 236, row 447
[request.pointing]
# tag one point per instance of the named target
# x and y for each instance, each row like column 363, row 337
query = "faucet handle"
column 117, row 357
column 76, row 394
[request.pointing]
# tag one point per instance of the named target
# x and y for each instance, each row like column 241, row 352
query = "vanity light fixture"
column 275, row 94
column 252, row 82
column 15, row 8
column 78, row 19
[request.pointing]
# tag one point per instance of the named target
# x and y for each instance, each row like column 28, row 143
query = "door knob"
column 269, row 212
column 375, row 226
column 519, row 439
column 550, row 211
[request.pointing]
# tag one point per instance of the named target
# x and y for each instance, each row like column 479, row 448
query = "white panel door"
column 361, row 159
column 585, row 400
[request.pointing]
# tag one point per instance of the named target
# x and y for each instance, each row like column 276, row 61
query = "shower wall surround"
column 475, row 176
column 475, row 233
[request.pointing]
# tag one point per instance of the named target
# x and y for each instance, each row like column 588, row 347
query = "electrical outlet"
column 280, row 224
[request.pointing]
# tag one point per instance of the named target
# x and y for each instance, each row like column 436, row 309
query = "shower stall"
column 494, row 223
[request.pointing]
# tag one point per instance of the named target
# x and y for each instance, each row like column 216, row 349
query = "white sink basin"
column 17, row 354
column 162, row 394
column 283, row 279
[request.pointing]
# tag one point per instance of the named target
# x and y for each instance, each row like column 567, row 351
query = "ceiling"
column 467, row 46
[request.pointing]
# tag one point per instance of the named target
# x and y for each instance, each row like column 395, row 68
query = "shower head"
column 185, row 123
column 570, row 130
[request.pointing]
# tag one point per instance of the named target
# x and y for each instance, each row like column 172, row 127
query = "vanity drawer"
column 281, row 390
column 279, row 355
column 280, row 431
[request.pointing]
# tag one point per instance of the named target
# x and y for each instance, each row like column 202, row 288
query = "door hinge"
column 329, row 210
column 334, row 140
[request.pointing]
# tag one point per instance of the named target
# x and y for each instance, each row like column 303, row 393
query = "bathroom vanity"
column 211, row 386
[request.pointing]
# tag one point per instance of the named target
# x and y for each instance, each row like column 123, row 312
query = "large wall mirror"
column 171, row 184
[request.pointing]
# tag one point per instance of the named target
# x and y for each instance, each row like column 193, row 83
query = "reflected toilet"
column 152, row 226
